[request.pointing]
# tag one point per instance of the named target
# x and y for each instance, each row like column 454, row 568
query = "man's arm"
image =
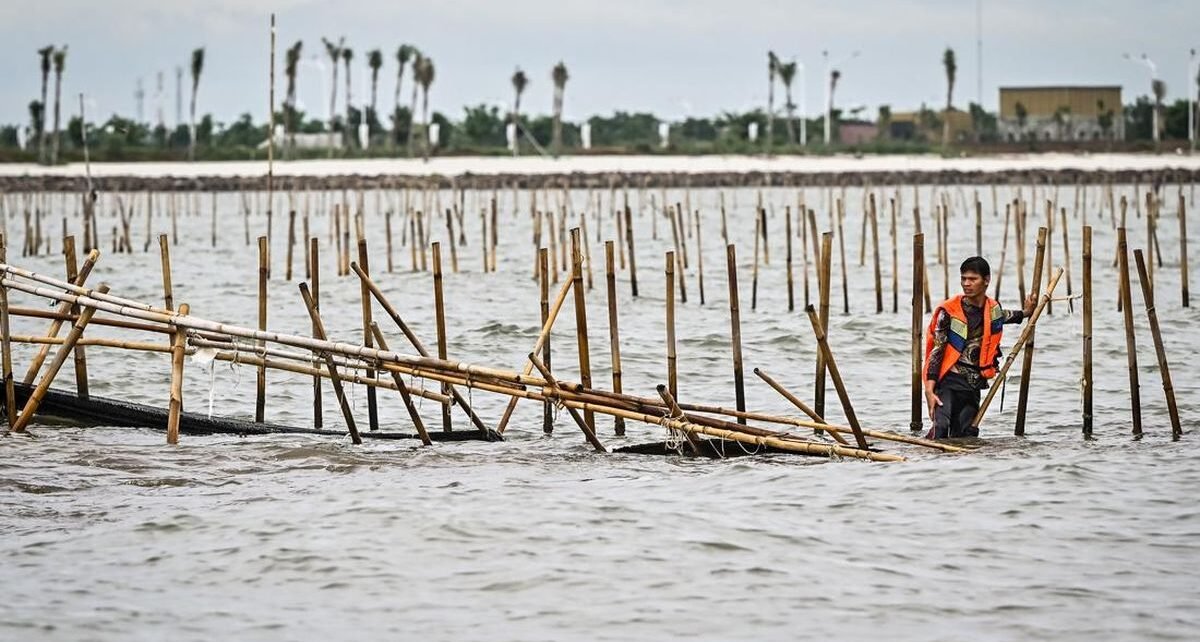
column 1017, row 316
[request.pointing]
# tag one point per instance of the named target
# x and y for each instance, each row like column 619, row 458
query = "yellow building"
column 927, row 125
column 1061, row 113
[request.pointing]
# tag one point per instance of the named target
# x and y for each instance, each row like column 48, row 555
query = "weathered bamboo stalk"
column 544, row 305
column 1087, row 332
column 164, row 249
column 552, row 384
column 581, row 327
column 365, row 297
column 1067, row 261
column 672, row 373
column 175, row 407
column 39, row 392
column 787, row 259
column 1126, row 297
column 260, row 382
column 1027, row 364
column 439, row 311
column 1015, row 351
column 81, row 373
column 1160, row 352
column 735, row 323
column 836, row 376
column 330, row 366
column 614, row 338
column 675, row 412
column 10, row 396
column 824, row 276
column 314, row 270
column 917, row 419
column 875, row 245
column 291, row 242
column 405, row 395
column 796, row 401
column 841, row 215
column 895, row 258
column 699, row 259
column 1183, row 257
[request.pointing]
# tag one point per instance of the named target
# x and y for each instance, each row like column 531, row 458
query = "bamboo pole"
column 291, row 242
column 365, row 298
column 81, row 373
column 804, row 255
column 260, row 385
column 552, row 385
column 39, row 392
column 875, row 245
column 614, row 338
column 315, row 275
column 439, row 310
column 841, row 215
column 1087, row 332
column 944, row 244
column 700, row 259
column 1160, row 352
column 978, row 227
column 632, row 255
column 1027, row 364
column 1030, row 324
column 895, row 259
column 824, row 274
column 1130, row 344
column 1003, row 251
column 735, row 323
column 581, row 327
column 754, row 273
column 796, row 401
column 674, row 411
column 544, row 305
column 10, row 405
column 331, row 367
column 672, row 374
column 1183, row 257
column 917, row 418
column 1067, row 261
column 836, row 376
column 164, row 248
column 176, row 404
column 787, row 233
column 402, row 388
column 56, row 324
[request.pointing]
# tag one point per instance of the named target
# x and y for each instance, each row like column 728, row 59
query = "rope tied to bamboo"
column 675, row 438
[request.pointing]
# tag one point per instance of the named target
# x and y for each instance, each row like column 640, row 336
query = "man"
column 962, row 351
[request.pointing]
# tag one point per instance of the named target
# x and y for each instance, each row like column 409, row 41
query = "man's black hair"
column 978, row 265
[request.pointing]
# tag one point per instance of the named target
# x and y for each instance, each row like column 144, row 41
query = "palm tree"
column 951, row 70
column 519, row 83
column 772, row 69
column 45, row 52
column 60, row 61
column 197, row 67
column 347, row 57
column 374, row 61
column 1157, row 86
column 290, row 67
column 418, row 57
column 423, row 73
column 403, row 55
column 787, row 73
column 559, row 76
column 834, row 77
column 334, row 51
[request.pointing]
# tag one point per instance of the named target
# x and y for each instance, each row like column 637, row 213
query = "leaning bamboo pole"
column 402, row 388
column 1130, row 344
column 1030, row 324
column 56, row 324
column 331, row 367
column 552, row 384
column 39, row 392
column 1163, row 369
column 836, row 376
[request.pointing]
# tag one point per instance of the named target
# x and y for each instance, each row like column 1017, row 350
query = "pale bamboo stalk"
column 614, row 338
column 175, row 407
column 787, row 259
column 581, row 326
column 63, row 308
column 824, row 274
column 875, row 252
column 1087, row 331
column 291, row 242
column 1067, row 261
column 319, row 333
column 260, row 383
column 439, row 309
column 552, row 385
column 1183, row 256
column 836, row 376
column 1027, row 364
column 405, row 395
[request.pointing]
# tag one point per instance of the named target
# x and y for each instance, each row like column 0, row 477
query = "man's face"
column 973, row 285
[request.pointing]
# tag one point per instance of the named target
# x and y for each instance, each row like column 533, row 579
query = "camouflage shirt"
column 967, row 365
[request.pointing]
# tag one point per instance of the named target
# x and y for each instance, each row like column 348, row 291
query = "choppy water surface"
column 107, row 533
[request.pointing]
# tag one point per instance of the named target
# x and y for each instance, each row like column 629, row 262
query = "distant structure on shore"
column 1061, row 113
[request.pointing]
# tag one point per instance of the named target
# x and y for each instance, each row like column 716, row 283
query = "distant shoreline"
column 490, row 172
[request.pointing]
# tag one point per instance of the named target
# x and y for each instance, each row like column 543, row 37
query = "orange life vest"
column 956, row 338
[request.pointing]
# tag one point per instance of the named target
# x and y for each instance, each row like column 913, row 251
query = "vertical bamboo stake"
column 787, row 233
column 495, row 234
column 1087, row 331
column 614, row 335
column 587, row 248
column 735, row 323
column 1048, row 268
column 544, row 305
column 72, row 338
column 838, row 385
column 672, row 374
column 10, row 395
column 315, row 275
column 368, row 336
column 212, row 225
column 56, row 324
column 944, row 246
column 1019, row 214
column 412, row 233
column 1163, row 369
column 633, row 287
column 260, row 388
column 754, row 273
column 1183, row 258
column 978, row 227
column 423, row 242
column 699, row 259
column 439, row 310
column 1067, row 259
column 164, row 251
column 291, row 243
column 450, row 240
column 1027, row 363
column 878, row 270
column 1130, row 344
column 824, row 279
column 841, row 216
column 681, row 243
column 895, row 259
column 1003, row 251
column 179, row 338
column 581, row 331
column 918, row 287
column 81, row 374
column 330, row 365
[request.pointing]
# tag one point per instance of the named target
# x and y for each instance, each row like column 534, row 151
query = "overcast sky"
column 674, row 58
